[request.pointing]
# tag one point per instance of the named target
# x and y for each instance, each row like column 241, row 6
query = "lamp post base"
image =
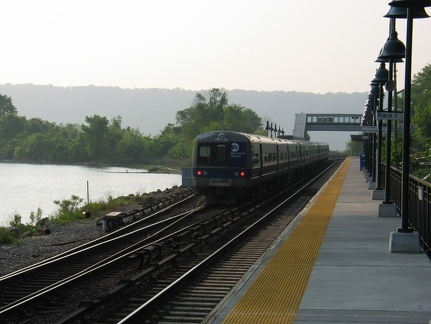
column 378, row 194
column 400, row 242
column 371, row 185
column 387, row 210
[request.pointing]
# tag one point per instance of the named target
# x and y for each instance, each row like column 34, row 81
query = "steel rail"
column 197, row 268
column 118, row 256
column 93, row 243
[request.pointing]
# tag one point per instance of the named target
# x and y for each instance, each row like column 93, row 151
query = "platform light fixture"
column 393, row 51
column 410, row 6
column 378, row 82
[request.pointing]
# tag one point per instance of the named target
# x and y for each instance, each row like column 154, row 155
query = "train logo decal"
column 234, row 147
column 237, row 150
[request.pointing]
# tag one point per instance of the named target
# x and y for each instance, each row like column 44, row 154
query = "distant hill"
column 150, row 110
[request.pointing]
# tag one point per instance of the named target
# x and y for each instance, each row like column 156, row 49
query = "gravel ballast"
column 40, row 247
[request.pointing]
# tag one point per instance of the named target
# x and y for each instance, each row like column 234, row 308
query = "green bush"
column 22, row 228
column 68, row 210
column 6, row 236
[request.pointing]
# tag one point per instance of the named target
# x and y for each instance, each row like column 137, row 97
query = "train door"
column 288, row 156
column 220, row 154
column 277, row 157
column 220, row 161
column 299, row 154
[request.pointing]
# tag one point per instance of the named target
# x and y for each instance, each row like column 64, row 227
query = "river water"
column 26, row 187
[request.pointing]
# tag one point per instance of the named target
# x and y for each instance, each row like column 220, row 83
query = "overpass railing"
column 419, row 203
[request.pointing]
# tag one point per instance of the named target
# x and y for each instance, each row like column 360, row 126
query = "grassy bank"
column 69, row 210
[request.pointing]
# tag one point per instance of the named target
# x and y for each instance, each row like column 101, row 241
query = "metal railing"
column 419, row 204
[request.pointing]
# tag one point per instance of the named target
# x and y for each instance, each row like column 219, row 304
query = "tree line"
column 100, row 140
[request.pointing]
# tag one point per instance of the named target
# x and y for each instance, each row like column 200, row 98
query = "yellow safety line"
column 276, row 294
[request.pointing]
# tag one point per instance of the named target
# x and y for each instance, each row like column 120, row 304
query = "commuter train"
column 228, row 165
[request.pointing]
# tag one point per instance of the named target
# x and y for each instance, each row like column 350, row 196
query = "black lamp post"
column 371, row 103
column 367, row 121
column 400, row 13
column 410, row 5
column 393, row 51
column 380, row 79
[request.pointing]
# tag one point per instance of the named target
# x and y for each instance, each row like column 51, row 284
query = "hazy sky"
column 314, row 46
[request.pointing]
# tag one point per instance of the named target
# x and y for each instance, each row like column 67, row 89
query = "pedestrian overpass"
column 326, row 123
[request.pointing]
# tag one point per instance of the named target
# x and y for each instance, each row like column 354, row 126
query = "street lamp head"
column 375, row 89
column 372, row 100
column 410, row 3
column 401, row 12
column 381, row 59
column 382, row 74
column 393, row 48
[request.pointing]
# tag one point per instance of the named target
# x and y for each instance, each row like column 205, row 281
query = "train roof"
column 225, row 136
column 234, row 136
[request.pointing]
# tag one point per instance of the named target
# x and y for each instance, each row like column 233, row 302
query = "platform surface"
column 354, row 278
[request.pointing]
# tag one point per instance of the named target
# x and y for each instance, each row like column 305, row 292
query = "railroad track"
column 25, row 287
column 140, row 272
column 193, row 293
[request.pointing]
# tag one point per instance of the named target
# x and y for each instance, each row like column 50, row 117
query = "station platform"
column 333, row 265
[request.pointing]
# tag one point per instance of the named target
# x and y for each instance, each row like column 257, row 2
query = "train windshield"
column 212, row 154
column 204, row 154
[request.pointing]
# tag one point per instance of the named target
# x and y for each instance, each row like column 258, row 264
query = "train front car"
column 222, row 165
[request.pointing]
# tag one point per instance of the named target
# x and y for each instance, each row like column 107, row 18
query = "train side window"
column 255, row 149
column 220, row 157
column 256, row 160
column 204, row 155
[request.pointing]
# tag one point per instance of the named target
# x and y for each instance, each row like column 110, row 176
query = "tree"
column 206, row 114
column 354, row 146
column 95, row 134
column 168, row 138
column 11, row 125
column 203, row 112
column 422, row 121
column 132, row 147
column 67, row 147
column 37, row 147
column 6, row 106
column 216, row 113
column 241, row 119
column 421, row 88
column 421, row 102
